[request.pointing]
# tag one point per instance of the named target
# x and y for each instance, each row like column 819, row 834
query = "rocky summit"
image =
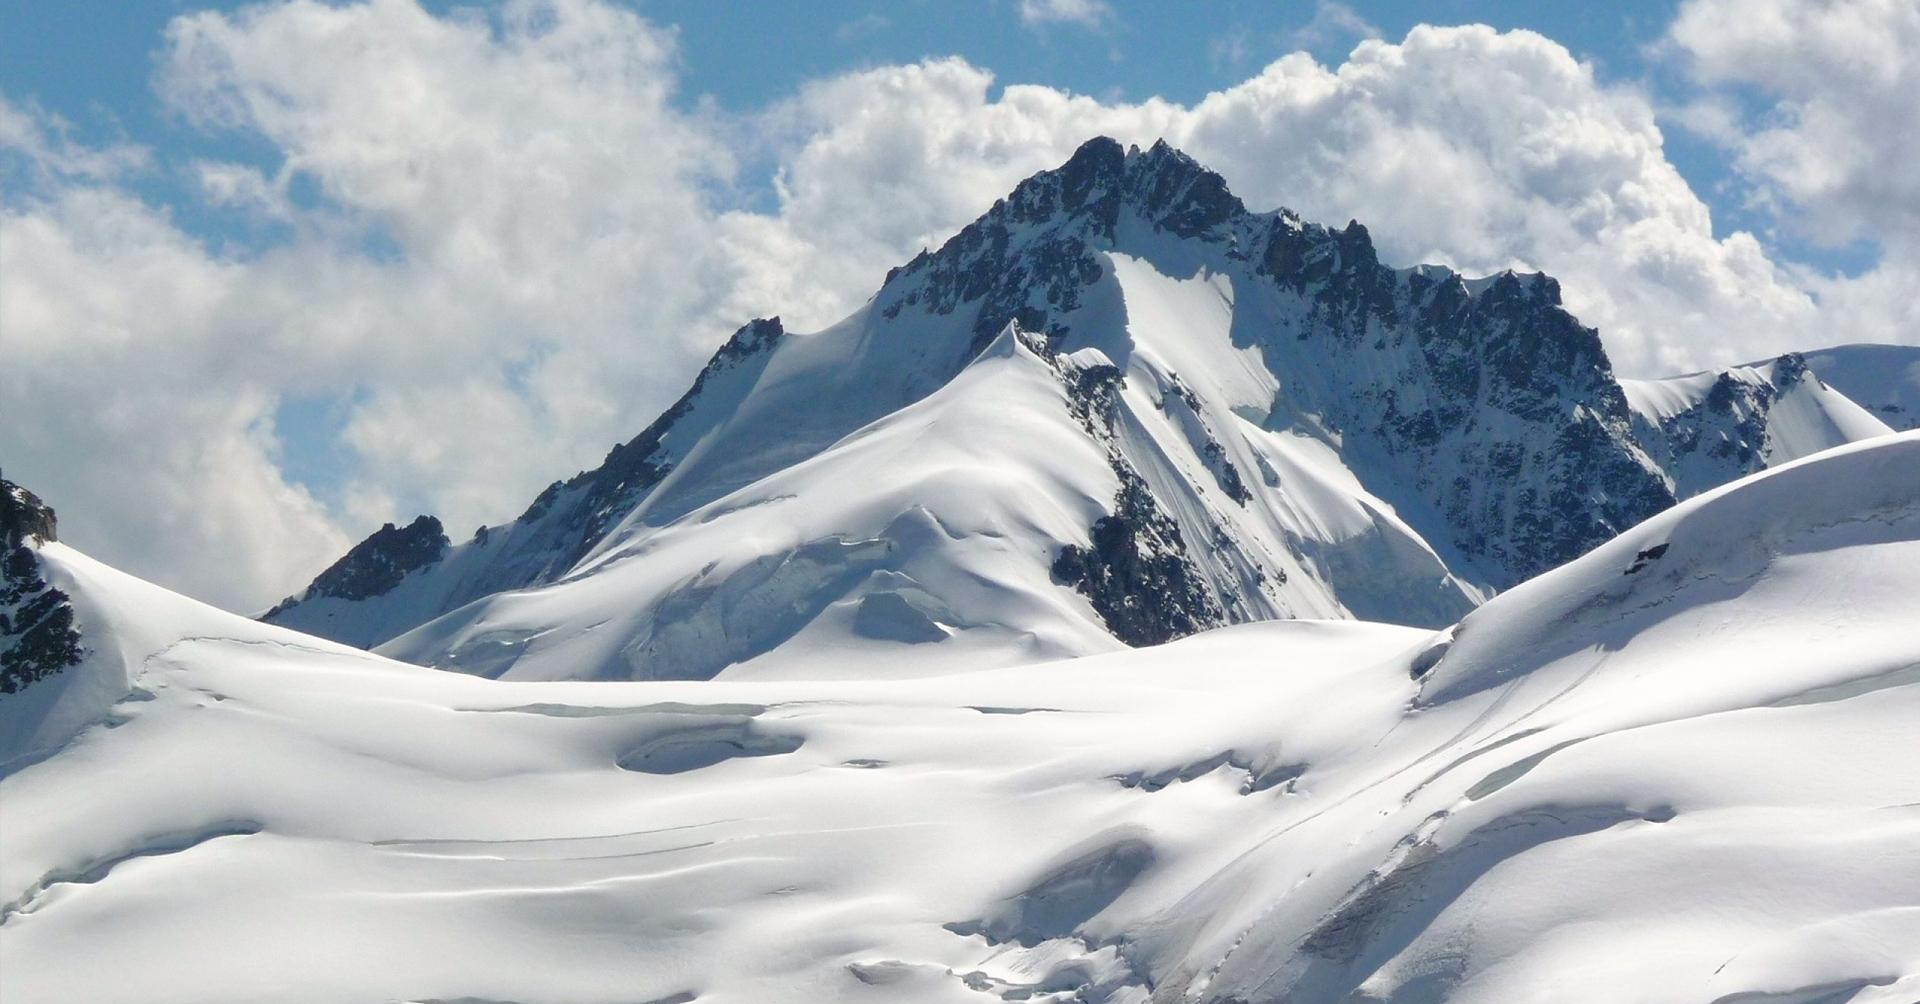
column 37, row 634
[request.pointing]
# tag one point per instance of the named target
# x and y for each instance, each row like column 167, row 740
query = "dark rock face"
column 37, row 635
column 633, row 468
column 376, row 565
column 1494, row 404
column 23, row 516
column 1137, row 574
column 1728, row 428
column 1135, row 571
column 1032, row 255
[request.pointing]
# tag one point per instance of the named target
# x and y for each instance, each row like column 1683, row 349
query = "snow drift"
column 1678, row 768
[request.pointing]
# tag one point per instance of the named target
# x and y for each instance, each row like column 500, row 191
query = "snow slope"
column 1235, row 416
column 1706, row 429
column 1677, row 769
column 1884, row 379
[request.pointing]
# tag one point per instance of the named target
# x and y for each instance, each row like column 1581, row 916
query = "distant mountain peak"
column 1132, row 405
column 377, row 564
column 23, row 516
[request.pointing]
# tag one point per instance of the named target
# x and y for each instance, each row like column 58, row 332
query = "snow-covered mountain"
column 1118, row 408
column 1706, row 429
column 1679, row 768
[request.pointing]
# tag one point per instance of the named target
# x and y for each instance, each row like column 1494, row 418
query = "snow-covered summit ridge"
column 1706, row 429
column 1287, row 427
column 1884, row 379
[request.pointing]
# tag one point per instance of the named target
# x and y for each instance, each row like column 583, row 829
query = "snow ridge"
column 1710, row 428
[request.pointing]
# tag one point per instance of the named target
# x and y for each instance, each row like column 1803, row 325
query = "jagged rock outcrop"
column 37, row 634
column 377, row 564
column 1135, row 568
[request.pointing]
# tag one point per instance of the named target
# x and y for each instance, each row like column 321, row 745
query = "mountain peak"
column 375, row 565
column 1161, row 184
column 23, row 516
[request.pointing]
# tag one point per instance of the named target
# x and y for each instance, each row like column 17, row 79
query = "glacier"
column 1678, row 768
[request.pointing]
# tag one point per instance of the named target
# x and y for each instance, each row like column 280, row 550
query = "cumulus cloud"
column 1840, row 132
column 120, row 409
column 501, row 245
column 502, row 259
column 1828, row 141
column 1333, row 21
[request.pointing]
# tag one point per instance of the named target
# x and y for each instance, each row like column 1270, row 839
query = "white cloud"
column 41, row 145
column 1832, row 141
column 509, row 268
column 120, row 410
column 1842, row 131
column 506, row 249
column 1333, row 21
column 1084, row 12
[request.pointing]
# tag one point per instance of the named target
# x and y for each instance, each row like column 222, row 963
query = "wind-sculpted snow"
column 1677, row 769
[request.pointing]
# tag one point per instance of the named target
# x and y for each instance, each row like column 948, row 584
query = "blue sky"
column 354, row 261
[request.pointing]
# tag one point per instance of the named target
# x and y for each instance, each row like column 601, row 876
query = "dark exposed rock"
column 1504, row 348
column 610, row 491
column 1727, row 434
column 1137, row 574
column 1419, row 359
column 37, row 635
column 1135, row 570
column 1640, row 559
column 376, row 565
column 1031, row 256
column 23, row 516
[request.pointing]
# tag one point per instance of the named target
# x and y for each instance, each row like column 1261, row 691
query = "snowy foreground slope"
column 1116, row 409
column 1679, row 768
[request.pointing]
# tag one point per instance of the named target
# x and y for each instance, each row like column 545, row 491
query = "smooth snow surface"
column 1884, row 379
column 1680, row 768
